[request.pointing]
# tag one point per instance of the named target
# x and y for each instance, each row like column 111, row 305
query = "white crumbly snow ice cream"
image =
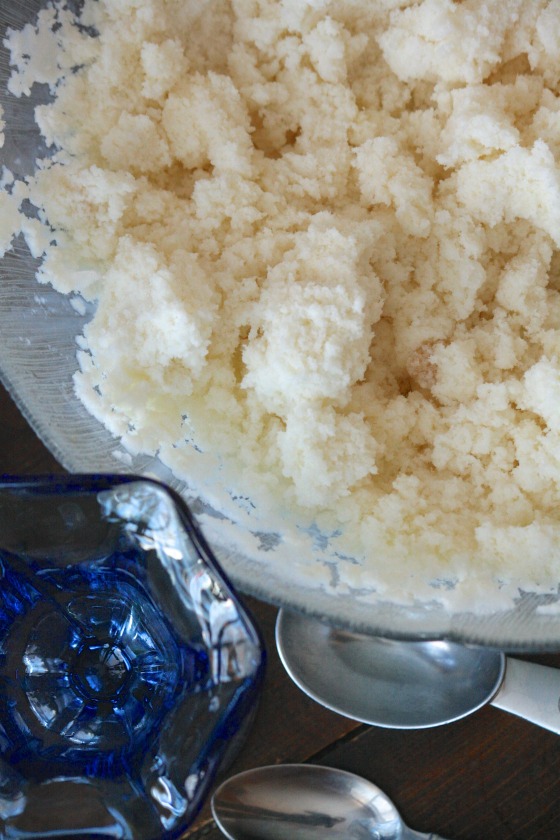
column 323, row 239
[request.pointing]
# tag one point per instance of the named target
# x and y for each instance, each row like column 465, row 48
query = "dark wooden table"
column 488, row 777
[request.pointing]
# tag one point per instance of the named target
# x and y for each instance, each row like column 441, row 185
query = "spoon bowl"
column 411, row 685
column 306, row 801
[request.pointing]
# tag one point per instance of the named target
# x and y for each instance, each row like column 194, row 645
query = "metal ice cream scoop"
column 411, row 685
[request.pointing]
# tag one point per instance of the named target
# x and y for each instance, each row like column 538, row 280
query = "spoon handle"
column 532, row 692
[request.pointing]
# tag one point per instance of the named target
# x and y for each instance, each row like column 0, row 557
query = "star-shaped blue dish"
column 129, row 671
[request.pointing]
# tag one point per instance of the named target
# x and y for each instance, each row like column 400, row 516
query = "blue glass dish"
column 129, row 671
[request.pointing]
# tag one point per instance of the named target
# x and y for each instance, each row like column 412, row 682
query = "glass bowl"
column 129, row 671
column 287, row 565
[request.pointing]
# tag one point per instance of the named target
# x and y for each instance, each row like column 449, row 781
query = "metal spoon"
column 411, row 685
column 307, row 802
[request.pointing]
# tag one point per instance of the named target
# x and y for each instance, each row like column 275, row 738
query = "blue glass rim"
column 97, row 717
